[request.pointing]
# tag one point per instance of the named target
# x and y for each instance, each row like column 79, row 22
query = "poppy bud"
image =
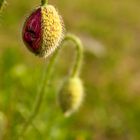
column 71, row 95
column 43, row 30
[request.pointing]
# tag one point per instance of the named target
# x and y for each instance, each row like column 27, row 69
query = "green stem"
column 47, row 75
column 79, row 57
column 43, row 2
column 40, row 95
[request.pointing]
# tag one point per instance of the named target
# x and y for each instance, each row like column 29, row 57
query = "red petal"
column 32, row 35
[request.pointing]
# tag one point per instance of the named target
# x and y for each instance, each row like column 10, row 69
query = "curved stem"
column 79, row 57
column 46, row 78
column 43, row 2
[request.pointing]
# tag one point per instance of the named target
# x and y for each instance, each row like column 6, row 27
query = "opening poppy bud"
column 71, row 95
column 43, row 30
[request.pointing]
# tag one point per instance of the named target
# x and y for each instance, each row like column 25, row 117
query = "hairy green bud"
column 71, row 95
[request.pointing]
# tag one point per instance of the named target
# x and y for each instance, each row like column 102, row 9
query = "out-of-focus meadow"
column 110, row 31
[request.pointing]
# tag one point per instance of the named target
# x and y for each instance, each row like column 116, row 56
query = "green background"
column 110, row 31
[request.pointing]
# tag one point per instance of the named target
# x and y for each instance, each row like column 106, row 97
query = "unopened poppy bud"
column 43, row 30
column 71, row 96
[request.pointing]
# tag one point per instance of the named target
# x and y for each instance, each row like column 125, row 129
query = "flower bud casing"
column 71, row 95
column 43, row 31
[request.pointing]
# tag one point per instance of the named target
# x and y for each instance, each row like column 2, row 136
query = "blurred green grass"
column 111, row 109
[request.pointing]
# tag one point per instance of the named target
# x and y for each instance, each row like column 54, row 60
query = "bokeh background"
column 110, row 31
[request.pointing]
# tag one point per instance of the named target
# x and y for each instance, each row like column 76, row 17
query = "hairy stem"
column 47, row 74
column 79, row 56
column 40, row 95
column 43, row 2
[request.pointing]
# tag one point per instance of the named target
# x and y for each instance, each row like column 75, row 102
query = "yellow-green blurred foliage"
column 110, row 31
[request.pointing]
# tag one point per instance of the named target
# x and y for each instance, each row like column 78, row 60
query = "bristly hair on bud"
column 43, row 30
column 52, row 29
column 71, row 95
